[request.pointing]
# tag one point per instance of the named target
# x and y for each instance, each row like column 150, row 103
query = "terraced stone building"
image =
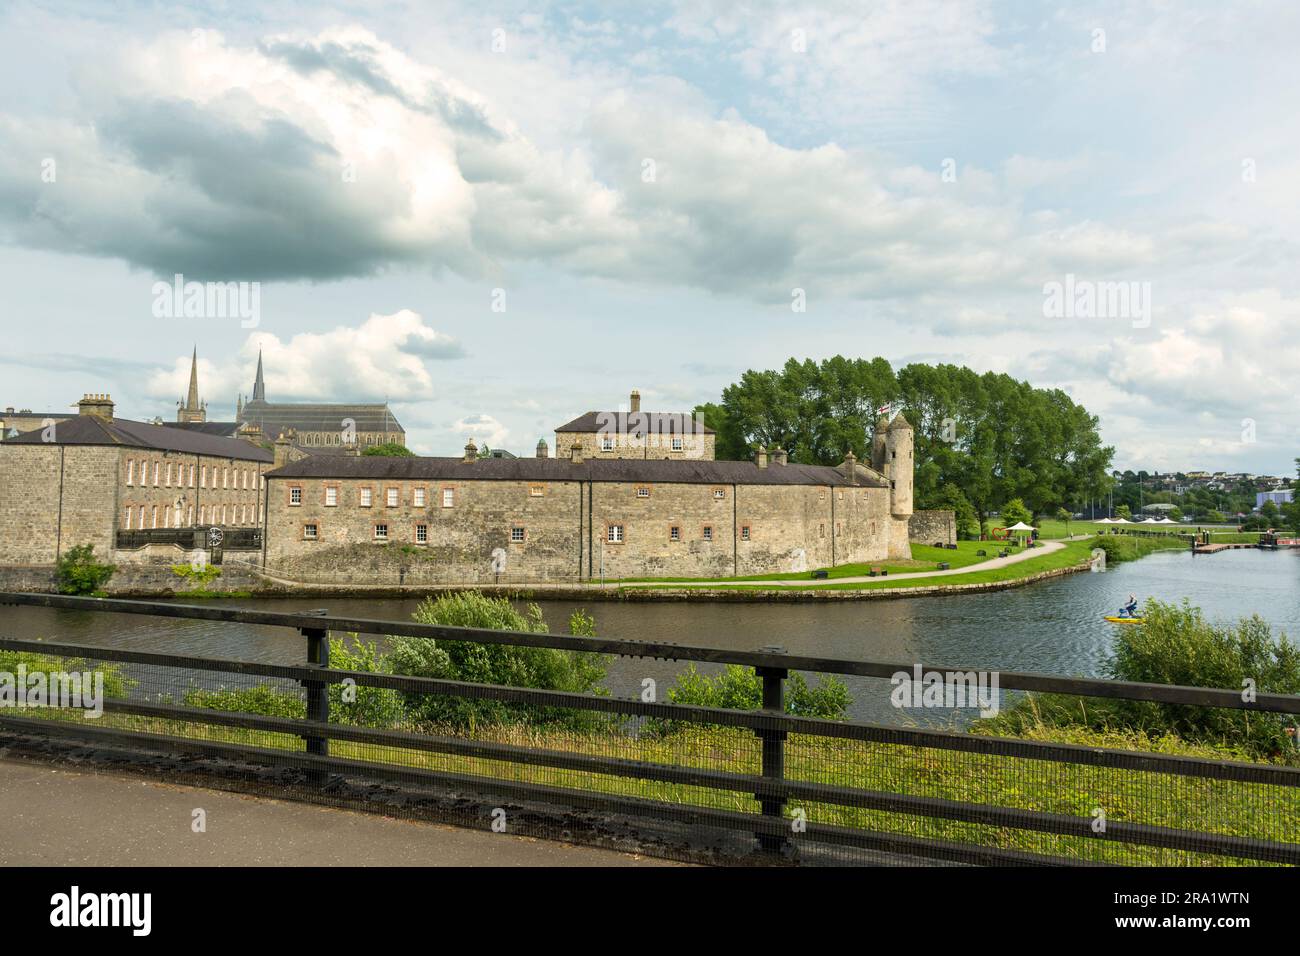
column 85, row 479
column 376, row 520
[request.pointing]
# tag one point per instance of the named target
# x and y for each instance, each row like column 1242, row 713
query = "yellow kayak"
column 1125, row 620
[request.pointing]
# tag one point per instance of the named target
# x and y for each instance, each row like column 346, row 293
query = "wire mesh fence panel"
column 751, row 784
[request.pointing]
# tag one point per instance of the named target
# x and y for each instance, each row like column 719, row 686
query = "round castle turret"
column 899, row 465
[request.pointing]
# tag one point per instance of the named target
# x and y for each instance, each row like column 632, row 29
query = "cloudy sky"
column 499, row 216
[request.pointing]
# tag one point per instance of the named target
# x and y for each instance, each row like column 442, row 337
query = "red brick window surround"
column 708, row 532
column 421, row 534
column 719, row 494
column 392, row 497
column 419, row 497
column 381, row 531
column 536, row 491
column 675, row 533
column 744, row 532
column 330, row 496
column 448, row 496
column 295, row 496
column 643, row 491
column 364, row 495
column 518, row 534
column 310, row 531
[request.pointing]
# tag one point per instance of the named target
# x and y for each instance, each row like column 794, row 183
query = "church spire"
column 191, row 410
column 259, row 386
column 192, row 401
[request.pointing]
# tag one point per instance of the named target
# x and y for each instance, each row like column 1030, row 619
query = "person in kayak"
column 1129, row 609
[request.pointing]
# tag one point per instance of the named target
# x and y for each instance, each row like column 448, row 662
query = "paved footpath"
column 53, row 816
column 1044, row 547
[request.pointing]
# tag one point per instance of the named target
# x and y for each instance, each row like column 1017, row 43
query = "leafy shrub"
column 539, row 667
column 1176, row 645
column 740, row 688
column 79, row 573
column 266, row 700
column 199, row 577
column 116, row 683
column 360, row 705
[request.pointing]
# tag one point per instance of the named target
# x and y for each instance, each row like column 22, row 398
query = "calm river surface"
column 1055, row 627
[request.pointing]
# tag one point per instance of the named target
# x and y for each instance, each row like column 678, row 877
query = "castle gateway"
column 517, row 520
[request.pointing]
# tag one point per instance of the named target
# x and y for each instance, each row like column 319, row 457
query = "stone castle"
column 628, row 494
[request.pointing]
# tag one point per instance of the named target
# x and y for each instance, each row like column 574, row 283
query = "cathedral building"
column 320, row 426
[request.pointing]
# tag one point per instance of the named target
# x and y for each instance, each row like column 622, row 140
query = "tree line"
column 982, row 440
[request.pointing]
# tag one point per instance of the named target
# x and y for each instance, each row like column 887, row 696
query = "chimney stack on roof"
column 760, row 456
column 779, row 457
column 471, row 451
column 636, row 401
column 575, row 453
column 100, row 406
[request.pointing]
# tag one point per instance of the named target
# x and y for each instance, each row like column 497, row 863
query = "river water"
column 1055, row 627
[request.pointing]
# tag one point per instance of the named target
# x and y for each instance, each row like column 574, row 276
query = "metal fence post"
column 318, row 698
column 773, row 750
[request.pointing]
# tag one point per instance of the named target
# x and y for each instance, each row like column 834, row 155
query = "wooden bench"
column 878, row 572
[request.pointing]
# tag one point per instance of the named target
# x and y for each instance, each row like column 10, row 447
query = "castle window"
column 130, row 477
column 606, row 443
column 225, row 477
column 448, row 497
column 153, row 517
column 821, row 494
column 642, row 491
column 365, row 498
column 417, row 497
column 381, row 532
column 517, row 535
column 127, row 523
column 821, row 531
column 295, row 495
column 536, row 491
column 421, row 534
column 614, row 533
column 203, row 514
column 189, row 517
column 391, row 500
column 674, row 533
column 719, row 494
column 192, row 476
column 310, row 532
column 677, row 443
column 203, row 477
column 744, row 532
column 156, row 468
column 142, row 517
column 331, row 496
column 708, row 532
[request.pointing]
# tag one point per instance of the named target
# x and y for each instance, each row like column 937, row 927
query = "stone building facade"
column 452, row 520
column 636, row 434
column 98, row 475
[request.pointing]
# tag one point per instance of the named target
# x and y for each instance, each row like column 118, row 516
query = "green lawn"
column 925, row 557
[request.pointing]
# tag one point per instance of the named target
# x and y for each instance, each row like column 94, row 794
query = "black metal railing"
column 802, row 787
column 198, row 537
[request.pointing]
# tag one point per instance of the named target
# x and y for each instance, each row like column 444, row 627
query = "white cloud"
column 383, row 358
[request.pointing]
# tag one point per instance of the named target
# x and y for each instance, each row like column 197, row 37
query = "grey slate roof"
column 221, row 429
column 90, row 430
column 656, row 470
column 637, row 424
column 275, row 417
